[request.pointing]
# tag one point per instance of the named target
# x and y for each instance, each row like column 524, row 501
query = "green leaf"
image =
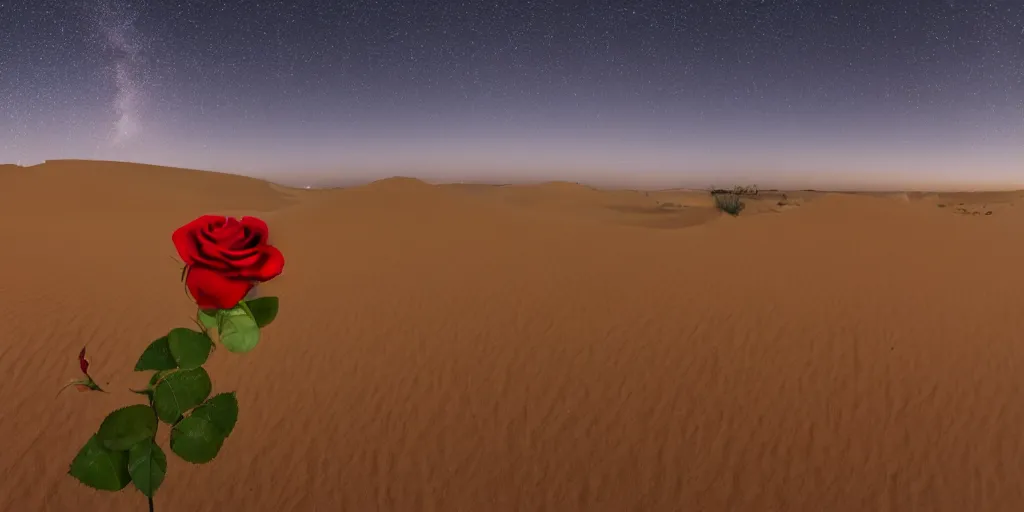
column 157, row 376
column 196, row 440
column 157, row 356
column 190, row 348
column 147, row 465
column 127, row 426
column 180, row 391
column 153, row 380
column 100, row 468
column 208, row 318
column 238, row 330
column 221, row 410
column 264, row 310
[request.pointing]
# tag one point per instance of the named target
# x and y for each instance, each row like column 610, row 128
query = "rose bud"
column 83, row 363
column 87, row 383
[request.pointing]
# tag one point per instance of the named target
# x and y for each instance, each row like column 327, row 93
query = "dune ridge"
column 534, row 347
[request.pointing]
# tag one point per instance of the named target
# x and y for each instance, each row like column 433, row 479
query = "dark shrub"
column 729, row 203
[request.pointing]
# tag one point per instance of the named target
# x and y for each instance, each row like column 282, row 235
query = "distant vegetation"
column 738, row 190
column 731, row 201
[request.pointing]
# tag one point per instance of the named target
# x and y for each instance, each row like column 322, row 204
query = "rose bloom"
column 225, row 258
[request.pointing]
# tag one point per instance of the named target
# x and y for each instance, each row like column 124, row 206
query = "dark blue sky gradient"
column 843, row 93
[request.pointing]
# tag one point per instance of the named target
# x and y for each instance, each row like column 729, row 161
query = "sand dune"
column 534, row 348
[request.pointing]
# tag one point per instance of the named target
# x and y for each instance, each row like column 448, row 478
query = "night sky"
column 798, row 93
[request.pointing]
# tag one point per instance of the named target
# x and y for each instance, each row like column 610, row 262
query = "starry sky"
column 643, row 93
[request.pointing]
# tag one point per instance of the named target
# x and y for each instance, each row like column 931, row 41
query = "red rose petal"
column 212, row 290
column 240, row 260
column 219, row 256
column 257, row 227
column 270, row 265
column 226, row 232
column 185, row 238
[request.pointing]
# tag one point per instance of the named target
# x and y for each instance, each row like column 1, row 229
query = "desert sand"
column 533, row 348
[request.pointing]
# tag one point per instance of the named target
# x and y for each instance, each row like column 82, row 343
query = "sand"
column 534, row 348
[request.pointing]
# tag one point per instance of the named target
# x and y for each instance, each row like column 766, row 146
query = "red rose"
column 225, row 258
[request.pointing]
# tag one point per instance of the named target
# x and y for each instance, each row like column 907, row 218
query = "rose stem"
column 152, row 406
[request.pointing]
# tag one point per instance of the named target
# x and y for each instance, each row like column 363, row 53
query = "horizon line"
column 360, row 181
